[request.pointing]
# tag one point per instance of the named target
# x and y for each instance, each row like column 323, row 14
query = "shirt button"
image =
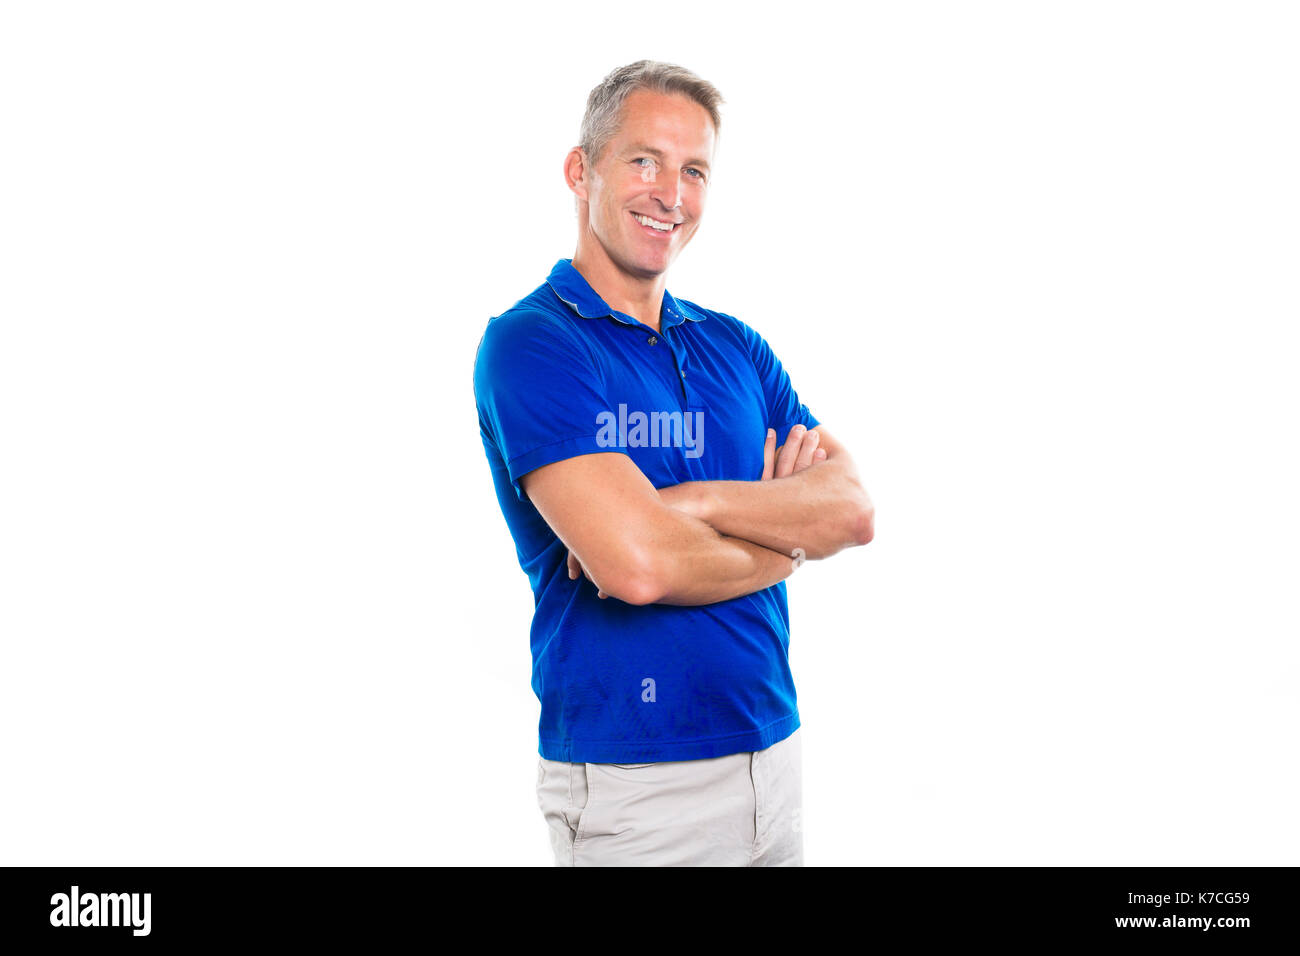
column 683, row 373
column 652, row 340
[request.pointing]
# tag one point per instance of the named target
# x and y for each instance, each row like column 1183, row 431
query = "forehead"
column 668, row 121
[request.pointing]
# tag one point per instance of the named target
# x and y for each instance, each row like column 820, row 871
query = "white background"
column 1035, row 263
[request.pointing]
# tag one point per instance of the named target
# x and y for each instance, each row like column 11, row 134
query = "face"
column 656, row 168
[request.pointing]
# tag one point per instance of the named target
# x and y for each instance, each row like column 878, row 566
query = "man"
column 632, row 441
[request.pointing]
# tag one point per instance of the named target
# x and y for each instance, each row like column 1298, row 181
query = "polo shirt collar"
column 575, row 292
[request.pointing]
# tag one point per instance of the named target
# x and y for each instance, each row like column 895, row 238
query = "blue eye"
column 643, row 159
column 698, row 174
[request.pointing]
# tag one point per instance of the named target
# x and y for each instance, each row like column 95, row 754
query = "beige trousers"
column 739, row 810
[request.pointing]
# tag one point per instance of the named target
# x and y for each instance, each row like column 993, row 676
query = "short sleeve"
column 538, row 392
column 784, row 410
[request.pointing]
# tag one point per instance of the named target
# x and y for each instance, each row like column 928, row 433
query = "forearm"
column 693, row 564
column 822, row 509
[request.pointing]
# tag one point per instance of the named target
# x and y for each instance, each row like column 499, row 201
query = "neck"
column 641, row 297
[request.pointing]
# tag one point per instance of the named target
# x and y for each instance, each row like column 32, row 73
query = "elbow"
column 857, row 515
column 867, row 527
column 864, row 524
column 850, row 526
column 634, row 581
column 641, row 592
column 635, row 589
column 648, row 584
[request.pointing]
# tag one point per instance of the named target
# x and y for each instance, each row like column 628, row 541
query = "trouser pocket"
column 563, row 795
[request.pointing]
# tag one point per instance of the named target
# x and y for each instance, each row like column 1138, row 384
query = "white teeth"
column 653, row 223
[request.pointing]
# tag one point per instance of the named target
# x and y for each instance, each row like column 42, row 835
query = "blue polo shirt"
column 561, row 374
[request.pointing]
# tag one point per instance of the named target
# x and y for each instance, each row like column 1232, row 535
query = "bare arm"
column 638, row 549
column 821, row 509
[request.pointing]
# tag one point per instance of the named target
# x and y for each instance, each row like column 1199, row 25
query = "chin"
column 642, row 262
column 653, row 265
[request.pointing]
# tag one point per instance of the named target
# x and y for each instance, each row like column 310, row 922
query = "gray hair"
column 605, row 103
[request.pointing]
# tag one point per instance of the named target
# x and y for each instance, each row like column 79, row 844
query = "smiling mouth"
column 655, row 225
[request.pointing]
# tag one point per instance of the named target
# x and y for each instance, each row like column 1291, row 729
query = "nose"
column 668, row 191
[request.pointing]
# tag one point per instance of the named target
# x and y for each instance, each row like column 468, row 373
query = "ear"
column 575, row 172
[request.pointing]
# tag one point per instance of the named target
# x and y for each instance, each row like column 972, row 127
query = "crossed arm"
column 702, row 542
column 821, row 509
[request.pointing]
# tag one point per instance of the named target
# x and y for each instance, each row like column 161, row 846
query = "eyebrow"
column 658, row 154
